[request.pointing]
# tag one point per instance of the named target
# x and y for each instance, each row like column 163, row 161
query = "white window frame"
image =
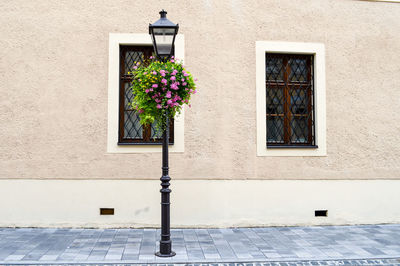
column 316, row 49
column 115, row 40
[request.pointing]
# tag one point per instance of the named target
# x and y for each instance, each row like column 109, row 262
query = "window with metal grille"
column 290, row 100
column 130, row 129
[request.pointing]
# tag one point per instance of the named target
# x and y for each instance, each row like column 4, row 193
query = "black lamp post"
column 163, row 34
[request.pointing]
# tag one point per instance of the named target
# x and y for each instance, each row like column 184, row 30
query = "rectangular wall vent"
column 321, row 213
column 106, row 211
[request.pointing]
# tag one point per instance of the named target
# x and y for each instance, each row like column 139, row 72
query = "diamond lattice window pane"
column 275, row 129
column 274, row 69
column 275, row 101
column 298, row 70
column 298, row 101
column 130, row 58
column 132, row 127
column 128, row 96
column 299, row 129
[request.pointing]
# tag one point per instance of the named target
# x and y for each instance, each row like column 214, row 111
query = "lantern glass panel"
column 164, row 38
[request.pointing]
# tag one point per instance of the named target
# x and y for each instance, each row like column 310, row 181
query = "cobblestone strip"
column 382, row 262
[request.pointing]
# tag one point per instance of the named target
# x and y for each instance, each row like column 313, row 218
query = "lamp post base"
column 159, row 254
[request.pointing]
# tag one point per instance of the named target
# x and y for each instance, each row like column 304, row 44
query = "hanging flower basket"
column 160, row 90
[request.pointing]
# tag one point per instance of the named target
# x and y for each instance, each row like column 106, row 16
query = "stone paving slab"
column 284, row 245
column 387, row 262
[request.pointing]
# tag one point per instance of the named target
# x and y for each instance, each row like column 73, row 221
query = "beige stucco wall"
column 54, row 71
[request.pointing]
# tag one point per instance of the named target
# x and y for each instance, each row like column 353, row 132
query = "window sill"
column 293, row 147
column 141, row 144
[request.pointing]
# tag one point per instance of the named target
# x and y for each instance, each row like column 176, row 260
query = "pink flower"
column 169, row 102
column 195, row 79
column 184, row 83
column 151, row 57
column 159, row 106
column 144, row 73
column 155, row 85
column 172, row 61
column 163, row 74
column 185, row 74
column 154, row 73
column 172, row 57
column 164, row 81
column 173, row 78
column 168, row 94
column 135, row 67
column 140, row 111
column 174, row 86
column 151, row 89
column 182, row 80
column 147, row 90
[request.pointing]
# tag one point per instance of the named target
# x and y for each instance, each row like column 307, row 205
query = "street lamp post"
column 163, row 34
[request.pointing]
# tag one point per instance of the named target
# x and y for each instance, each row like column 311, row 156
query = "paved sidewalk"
column 272, row 244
